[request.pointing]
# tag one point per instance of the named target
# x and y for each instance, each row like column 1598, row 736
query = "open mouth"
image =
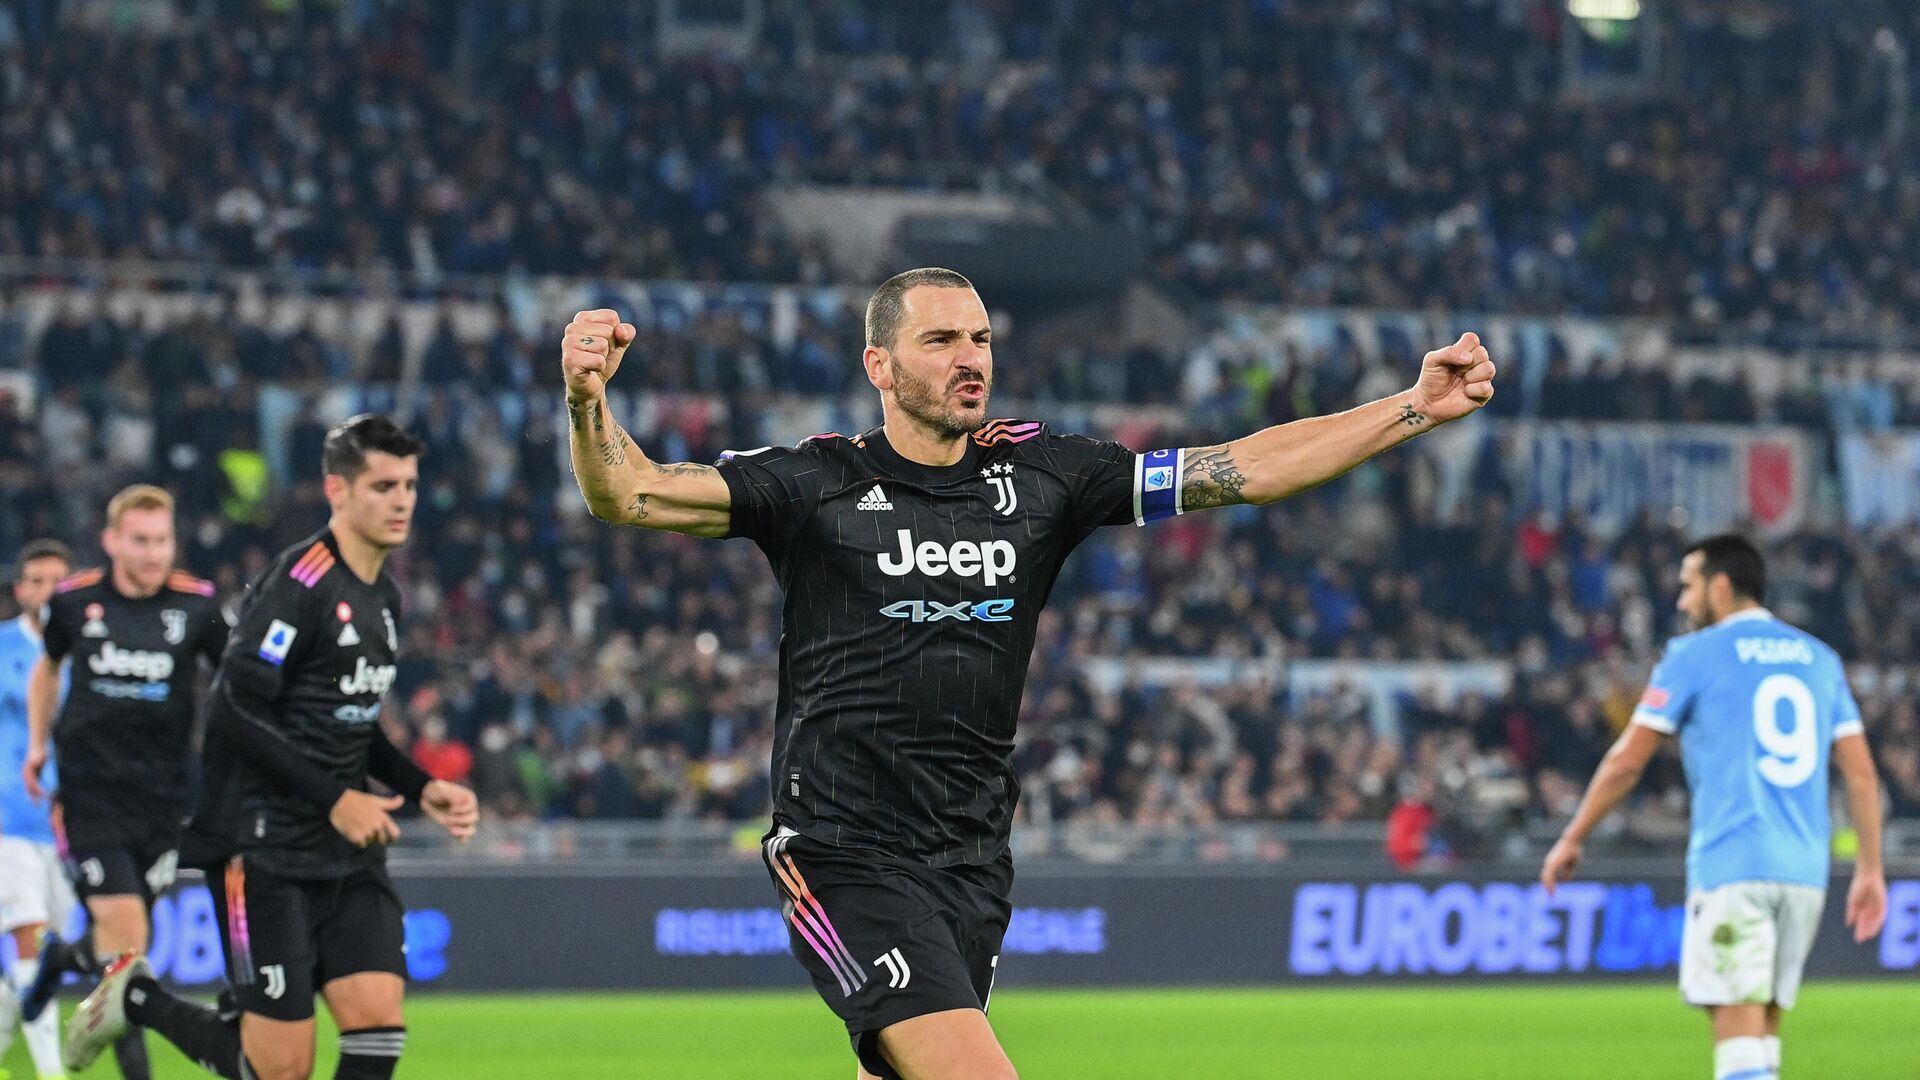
column 971, row 391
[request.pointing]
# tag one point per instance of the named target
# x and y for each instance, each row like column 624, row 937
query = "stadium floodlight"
column 1608, row 10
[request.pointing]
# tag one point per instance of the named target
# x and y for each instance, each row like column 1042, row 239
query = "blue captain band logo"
column 1156, row 485
column 926, row 611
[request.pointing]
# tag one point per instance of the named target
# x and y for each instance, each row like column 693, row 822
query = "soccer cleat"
column 102, row 1017
column 54, row 958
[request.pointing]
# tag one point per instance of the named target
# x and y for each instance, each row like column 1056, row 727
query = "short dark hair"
column 883, row 309
column 1735, row 556
column 35, row 550
column 345, row 452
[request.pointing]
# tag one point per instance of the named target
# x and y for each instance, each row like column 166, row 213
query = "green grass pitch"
column 1855, row 1031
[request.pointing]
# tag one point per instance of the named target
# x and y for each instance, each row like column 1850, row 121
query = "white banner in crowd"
column 1717, row 476
column 1880, row 478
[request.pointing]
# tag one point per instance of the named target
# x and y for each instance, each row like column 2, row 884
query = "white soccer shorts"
column 1746, row 942
column 33, row 887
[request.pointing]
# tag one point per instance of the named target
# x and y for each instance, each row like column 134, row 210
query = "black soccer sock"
column 130, row 1053
column 370, row 1053
column 199, row 1032
column 86, row 955
column 76, row 955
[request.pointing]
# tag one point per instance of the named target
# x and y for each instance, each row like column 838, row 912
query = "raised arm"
column 620, row 483
column 1270, row 465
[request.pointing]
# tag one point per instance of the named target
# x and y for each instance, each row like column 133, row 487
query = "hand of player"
column 30, row 768
column 1454, row 381
column 453, row 806
column 595, row 343
column 1867, row 905
column 365, row 818
column 1560, row 863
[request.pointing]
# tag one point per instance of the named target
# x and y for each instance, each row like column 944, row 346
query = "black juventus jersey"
column 912, row 597
column 293, row 715
column 123, row 735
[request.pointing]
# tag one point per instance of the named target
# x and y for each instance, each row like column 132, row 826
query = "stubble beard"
column 928, row 407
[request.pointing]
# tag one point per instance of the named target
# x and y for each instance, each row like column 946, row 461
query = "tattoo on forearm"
column 637, row 509
column 587, row 416
column 613, row 452
column 685, row 468
column 1211, row 479
column 1410, row 416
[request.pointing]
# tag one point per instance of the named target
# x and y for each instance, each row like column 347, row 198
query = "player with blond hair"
column 128, row 634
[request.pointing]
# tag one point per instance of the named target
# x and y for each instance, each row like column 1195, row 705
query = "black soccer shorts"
column 116, row 851
column 886, row 939
column 287, row 938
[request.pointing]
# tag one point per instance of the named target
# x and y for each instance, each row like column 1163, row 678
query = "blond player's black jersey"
column 912, row 599
column 123, row 734
column 294, row 716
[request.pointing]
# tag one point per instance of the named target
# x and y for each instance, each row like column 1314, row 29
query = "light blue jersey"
column 1757, row 705
column 20, row 815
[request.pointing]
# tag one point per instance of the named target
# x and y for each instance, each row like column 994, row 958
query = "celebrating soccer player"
column 132, row 632
column 292, row 843
column 915, row 559
column 33, row 888
column 1762, row 709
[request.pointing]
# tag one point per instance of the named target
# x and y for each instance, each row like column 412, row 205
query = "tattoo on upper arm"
column 685, row 468
column 1411, row 417
column 1211, row 479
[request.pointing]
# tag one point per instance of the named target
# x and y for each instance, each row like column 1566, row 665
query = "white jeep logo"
column 368, row 678
column 992, row 561
column 131, row 663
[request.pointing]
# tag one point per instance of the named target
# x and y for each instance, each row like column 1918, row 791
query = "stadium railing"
column 604, row 844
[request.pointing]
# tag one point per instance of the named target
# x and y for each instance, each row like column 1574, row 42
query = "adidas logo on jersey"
column 874, row 500
column 348, row 636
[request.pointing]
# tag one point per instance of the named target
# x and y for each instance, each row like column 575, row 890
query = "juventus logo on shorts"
column 276, row 980
column 898, row 973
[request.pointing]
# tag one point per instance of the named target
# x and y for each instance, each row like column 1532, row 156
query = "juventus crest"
column 1006, row 498
column 175, row 621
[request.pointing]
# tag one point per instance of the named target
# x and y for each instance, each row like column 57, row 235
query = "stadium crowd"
column 1395, row 153
column 570, row 669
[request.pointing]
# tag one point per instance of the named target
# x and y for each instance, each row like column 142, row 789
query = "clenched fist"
column 590, row 353
column 1454, row 381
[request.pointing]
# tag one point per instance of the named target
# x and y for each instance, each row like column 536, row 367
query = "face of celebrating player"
column 35, row 585
column 940, row 368
column 141, row 547
column 377, row 505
